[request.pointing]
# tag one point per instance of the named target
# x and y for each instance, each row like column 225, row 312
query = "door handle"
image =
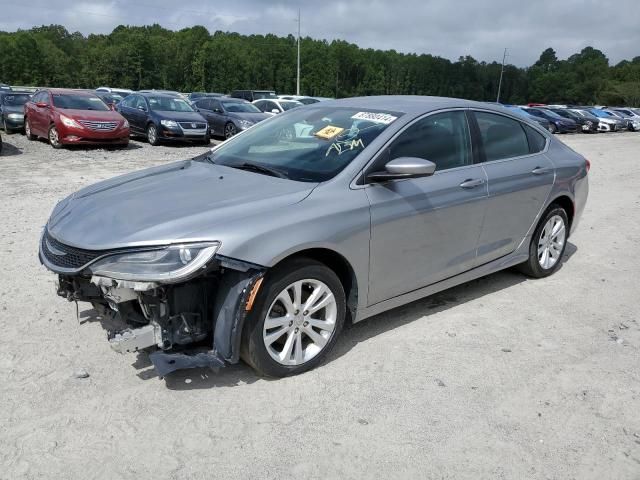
column 540, row 170
column 472, row 183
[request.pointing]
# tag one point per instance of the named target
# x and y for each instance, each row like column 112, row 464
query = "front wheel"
column 152, row 135
column 296, row 319
column 54, row 137
column 230, row 130
column 553, row 128
column 547, row 244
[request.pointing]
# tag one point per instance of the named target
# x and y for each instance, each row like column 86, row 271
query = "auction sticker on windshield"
column 376, row 117
column 329, row 132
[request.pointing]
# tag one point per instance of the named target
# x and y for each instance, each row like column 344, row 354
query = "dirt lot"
column 502, row 378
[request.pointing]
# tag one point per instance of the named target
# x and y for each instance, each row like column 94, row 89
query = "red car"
column 68, row 117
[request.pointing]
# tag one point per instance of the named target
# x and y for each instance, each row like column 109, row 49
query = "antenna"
column 504, row 57
column 298, row 78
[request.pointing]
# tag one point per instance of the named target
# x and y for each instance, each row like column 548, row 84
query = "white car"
column 274, row 106
column 123, row 92
column 299, row 98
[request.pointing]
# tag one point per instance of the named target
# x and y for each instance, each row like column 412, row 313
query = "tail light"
column 588, row 164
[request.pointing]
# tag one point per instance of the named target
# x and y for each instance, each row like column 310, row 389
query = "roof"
column 70, row 91
column 408, row 103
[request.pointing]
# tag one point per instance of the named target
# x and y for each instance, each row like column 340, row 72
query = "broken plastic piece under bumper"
column 165, row 363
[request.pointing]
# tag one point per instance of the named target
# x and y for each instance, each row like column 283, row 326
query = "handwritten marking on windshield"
column 342, row 146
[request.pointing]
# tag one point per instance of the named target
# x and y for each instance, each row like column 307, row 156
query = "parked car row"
column 111, row 115
column 577, row 118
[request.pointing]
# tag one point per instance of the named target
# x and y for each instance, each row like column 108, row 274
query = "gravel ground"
column 502, row 378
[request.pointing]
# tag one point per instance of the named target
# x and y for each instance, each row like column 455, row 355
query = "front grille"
column 99, row 126
column 193, row 125
column 65, row 256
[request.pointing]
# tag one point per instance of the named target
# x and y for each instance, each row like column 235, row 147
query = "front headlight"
column 169, row 264
column 15, row 116
column 69, row 122
column 245, row 123
column 125, row 124
column 169, row 123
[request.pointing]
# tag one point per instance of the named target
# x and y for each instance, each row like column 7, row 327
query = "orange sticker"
column 329, row 132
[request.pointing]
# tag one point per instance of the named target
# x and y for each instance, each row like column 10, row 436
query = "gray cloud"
column 448, row 28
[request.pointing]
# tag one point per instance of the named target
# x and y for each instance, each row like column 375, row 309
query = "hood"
column 251, row 117
column 183, row 201
column 91, row 115
column 179, row 116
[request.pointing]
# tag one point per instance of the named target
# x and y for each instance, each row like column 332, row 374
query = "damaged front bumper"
column 196, row 323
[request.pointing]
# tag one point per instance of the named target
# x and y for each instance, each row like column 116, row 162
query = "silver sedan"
column 264, row 247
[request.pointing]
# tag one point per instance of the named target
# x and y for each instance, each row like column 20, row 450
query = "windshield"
column 16, row 99
column 240, row 107
column 78, row 102
column 169, row 104
column 289, row 105
column 306, row 145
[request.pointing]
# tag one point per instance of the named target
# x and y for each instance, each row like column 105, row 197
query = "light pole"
column 504, row 57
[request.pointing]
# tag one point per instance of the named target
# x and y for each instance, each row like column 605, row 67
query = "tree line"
column 193, row 59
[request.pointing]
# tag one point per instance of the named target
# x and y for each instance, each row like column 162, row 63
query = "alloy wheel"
column 300, row 322
column 54, row 138
column 229, row 130
column 551, row 242
column 152, row 135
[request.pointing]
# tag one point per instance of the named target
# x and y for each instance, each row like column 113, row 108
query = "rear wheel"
column 54, row 137
column 27, row 130
column 152, row 135
column 296, row 319
column 547, row 244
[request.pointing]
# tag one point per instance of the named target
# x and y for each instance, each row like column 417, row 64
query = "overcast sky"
column 448, row 28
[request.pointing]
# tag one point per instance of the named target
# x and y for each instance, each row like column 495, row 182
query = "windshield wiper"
column 254, row 167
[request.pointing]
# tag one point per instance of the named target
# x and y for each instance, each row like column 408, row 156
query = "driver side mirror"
column 403, row 167
column 142, row 108
column 42, row 105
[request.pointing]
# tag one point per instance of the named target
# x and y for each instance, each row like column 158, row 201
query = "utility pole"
column 504, row 57
column 298, row 80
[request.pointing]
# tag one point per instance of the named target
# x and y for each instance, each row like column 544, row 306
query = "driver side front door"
column 424, row 230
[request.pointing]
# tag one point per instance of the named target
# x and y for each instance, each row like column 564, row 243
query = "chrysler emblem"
column 54, row 250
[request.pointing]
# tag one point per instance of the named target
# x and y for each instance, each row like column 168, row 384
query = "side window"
column 140, row 103
column 536, row 140
column 501, row 136
column 128, row 101
column 215, row 106
column 442, row 138
column 204, row 103
column 260, row 105
column 41, row 97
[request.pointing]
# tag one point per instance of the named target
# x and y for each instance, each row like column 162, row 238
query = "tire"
column 230, row 130
column 293, row 327
column 54, row 137
column 7, row 130
column 152, row 135
column 207, row 140
column 553, row 128
column 536, row 266
column 27, row 130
